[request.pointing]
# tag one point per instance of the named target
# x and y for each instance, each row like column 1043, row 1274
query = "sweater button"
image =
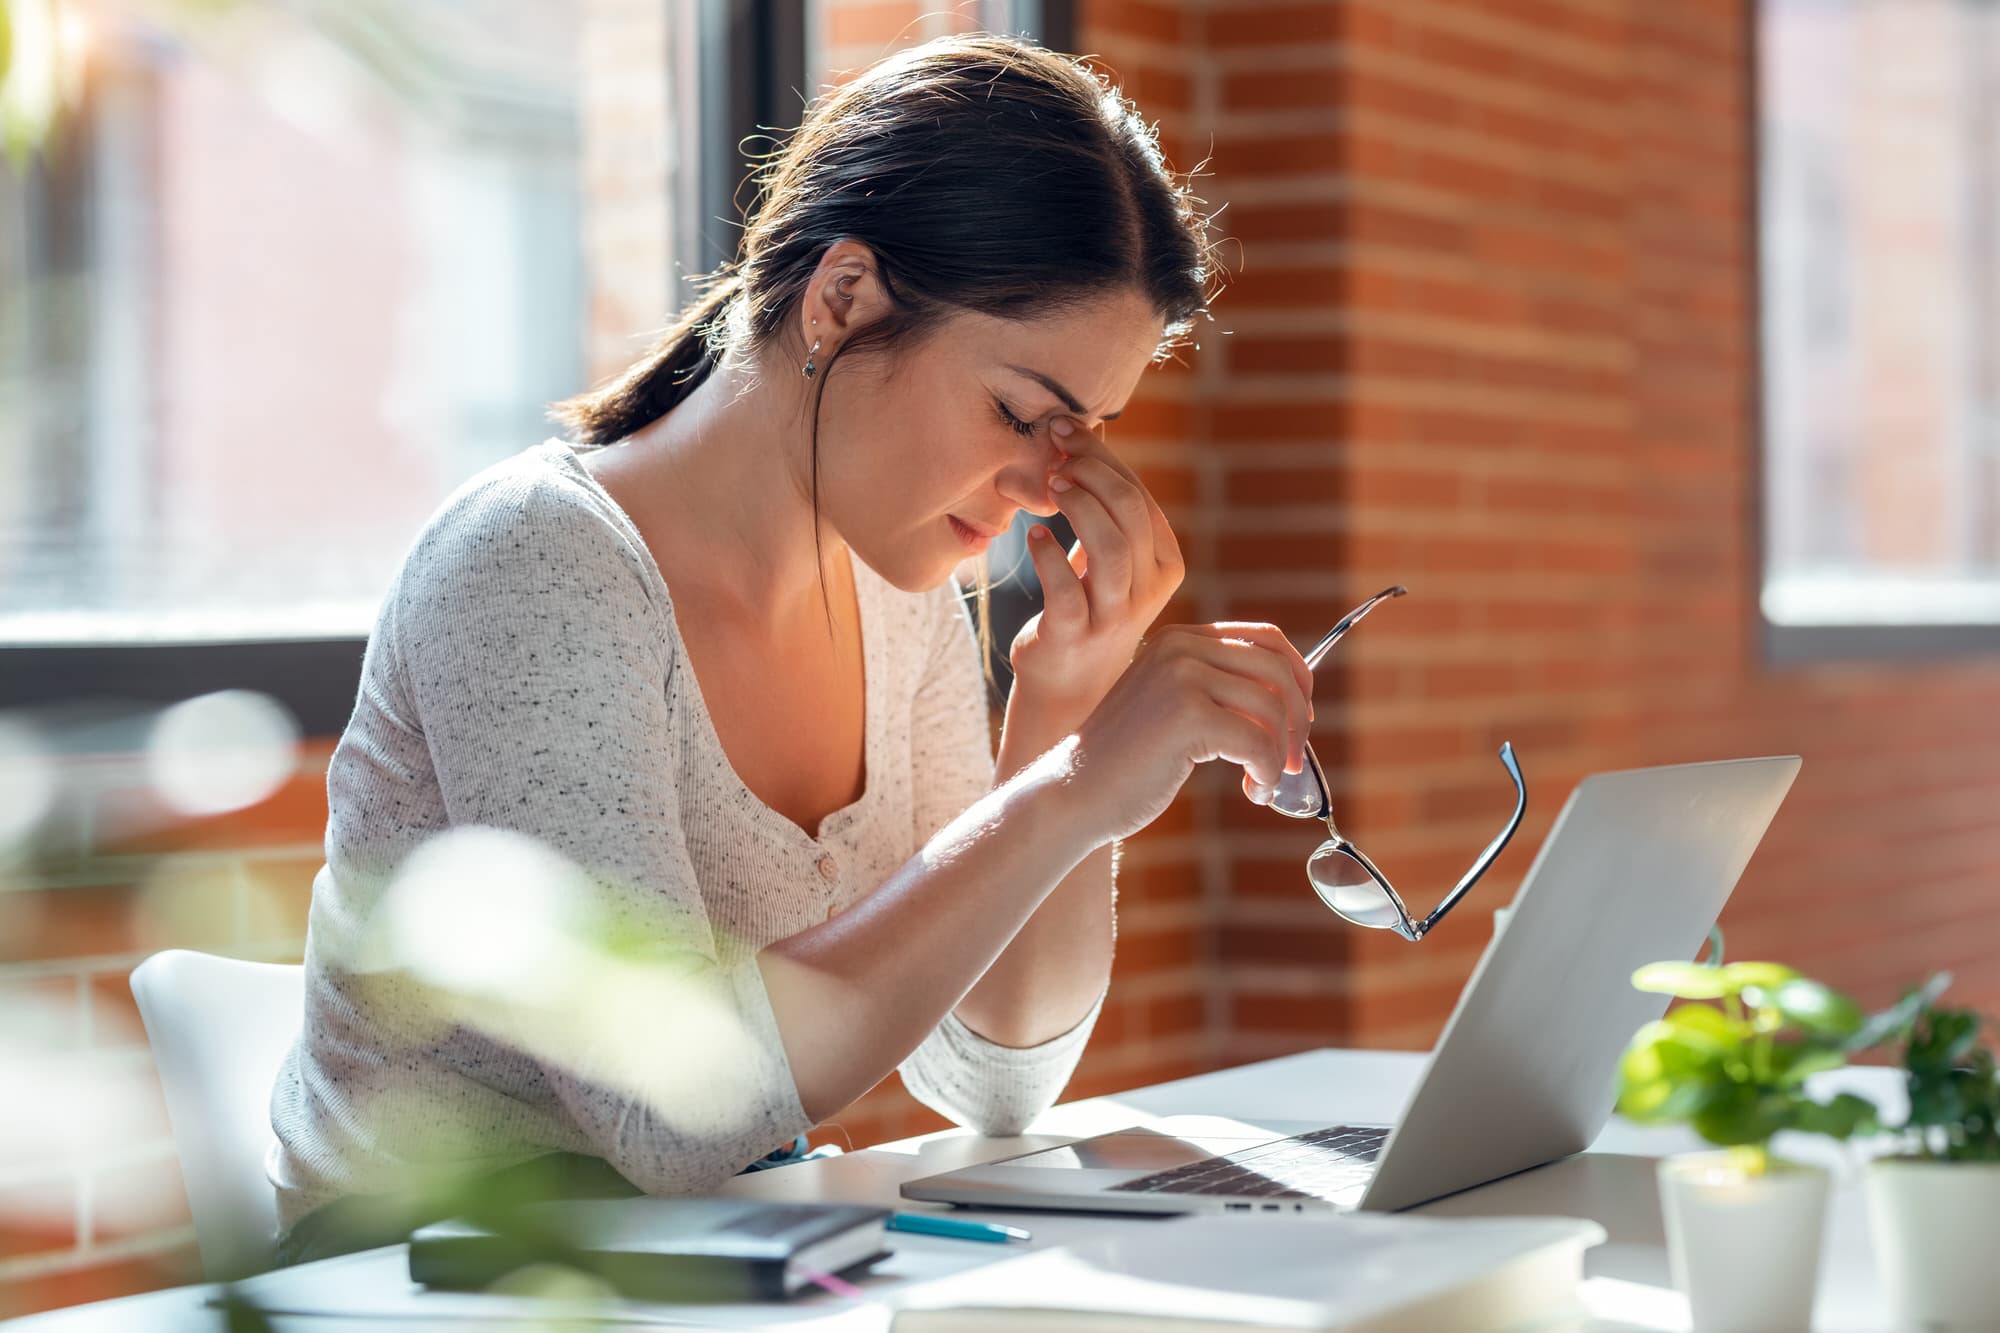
column 828, row 870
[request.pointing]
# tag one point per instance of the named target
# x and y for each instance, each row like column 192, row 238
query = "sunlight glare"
column 221, row 751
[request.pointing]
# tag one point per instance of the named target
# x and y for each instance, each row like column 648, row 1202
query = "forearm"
column 1046, row 979
column 854, row 996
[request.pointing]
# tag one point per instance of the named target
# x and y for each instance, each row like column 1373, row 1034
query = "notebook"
column 699, row 1250
column 1357, row 1273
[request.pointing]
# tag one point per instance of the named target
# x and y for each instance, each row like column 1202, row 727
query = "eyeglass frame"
column 1406, row 926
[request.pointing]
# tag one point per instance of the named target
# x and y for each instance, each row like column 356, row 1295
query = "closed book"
column 1356, row 1273
column 702, row 1250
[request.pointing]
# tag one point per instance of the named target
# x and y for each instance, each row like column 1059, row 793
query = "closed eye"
column 1025, row 429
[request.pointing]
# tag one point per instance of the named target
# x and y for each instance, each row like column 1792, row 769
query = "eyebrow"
column 1069, row 399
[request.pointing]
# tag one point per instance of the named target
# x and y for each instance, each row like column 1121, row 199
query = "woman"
column 709, row 650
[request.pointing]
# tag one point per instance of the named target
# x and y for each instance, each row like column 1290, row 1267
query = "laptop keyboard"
column 1318, row 1165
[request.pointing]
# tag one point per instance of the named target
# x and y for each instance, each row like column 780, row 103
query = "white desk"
column 1612, row 1184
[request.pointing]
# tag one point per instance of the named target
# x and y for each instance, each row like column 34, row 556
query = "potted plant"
column 1731, row 1062
column 1934, row 1204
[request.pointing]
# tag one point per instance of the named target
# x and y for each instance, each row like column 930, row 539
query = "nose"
column 1026, row 486
column 1024, row 483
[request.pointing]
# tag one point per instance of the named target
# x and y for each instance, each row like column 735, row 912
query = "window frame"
column 1790, row 645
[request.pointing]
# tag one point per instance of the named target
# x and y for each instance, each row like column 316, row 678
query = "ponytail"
column 668, row 372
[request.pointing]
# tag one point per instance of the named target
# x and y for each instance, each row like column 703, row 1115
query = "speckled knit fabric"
column 526, row 673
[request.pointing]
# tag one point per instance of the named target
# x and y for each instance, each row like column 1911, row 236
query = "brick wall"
column 1492, row 338
column 1488, row 334
column 91, row 1200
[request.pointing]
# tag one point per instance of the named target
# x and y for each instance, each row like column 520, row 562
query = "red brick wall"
column 1492, row 338
column 91, row 1200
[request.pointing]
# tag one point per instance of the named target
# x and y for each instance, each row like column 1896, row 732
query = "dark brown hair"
column 986, row 174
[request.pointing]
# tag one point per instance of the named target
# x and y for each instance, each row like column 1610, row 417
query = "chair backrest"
column 219, row 1028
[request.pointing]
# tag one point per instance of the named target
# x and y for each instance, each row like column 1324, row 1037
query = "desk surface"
column 1628, row 1286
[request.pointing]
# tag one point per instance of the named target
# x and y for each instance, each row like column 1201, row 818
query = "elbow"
column 1003, row 1122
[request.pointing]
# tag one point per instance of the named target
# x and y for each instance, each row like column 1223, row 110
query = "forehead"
column 1095, row 349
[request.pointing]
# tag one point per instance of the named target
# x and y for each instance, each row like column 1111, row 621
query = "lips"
column 974, row 538
column 975, row 529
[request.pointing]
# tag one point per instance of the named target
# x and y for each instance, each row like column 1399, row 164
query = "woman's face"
column 927, row 452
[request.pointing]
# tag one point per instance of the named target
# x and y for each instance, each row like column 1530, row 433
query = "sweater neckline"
column 838, row 821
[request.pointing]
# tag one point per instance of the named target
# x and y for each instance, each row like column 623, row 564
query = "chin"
column 911, row 570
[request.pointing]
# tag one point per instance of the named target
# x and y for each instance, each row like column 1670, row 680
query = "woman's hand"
column 1098, row 598
column 1232, row 691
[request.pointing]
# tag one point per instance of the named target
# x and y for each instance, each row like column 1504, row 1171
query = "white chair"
column 219, row 1028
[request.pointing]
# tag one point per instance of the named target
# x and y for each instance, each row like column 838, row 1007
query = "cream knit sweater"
column 526, row 673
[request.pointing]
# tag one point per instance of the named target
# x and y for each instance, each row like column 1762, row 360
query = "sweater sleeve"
column 533, row 656
column 961, row 1075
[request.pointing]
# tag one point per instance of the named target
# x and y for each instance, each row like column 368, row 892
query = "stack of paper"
column 1362, row 1273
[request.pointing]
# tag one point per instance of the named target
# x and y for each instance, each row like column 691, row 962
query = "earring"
column 809, row 369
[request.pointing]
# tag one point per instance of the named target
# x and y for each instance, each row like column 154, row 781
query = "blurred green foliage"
column 1953, row 1087
column 1732, row 1061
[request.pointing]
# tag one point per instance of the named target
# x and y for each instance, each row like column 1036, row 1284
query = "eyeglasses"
column 1340, row 873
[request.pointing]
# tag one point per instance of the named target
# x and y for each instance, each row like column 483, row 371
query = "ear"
column 845, row 293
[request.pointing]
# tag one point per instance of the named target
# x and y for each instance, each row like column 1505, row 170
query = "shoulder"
column 532, row 522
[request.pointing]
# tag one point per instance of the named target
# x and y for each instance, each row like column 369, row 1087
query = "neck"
column 738, row 463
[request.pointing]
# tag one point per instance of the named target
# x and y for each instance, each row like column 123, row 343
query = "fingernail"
column 1060, row 484
column 1038, row 533
column 1062, row 427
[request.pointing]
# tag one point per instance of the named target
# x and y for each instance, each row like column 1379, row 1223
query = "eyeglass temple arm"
column 1348, row 622
column 1493, row 848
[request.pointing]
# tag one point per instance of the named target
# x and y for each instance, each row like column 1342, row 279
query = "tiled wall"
column 1487, row 334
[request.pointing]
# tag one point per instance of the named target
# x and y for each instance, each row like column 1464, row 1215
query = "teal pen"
column 925, row 1224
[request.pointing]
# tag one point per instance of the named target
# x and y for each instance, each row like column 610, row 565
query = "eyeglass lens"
column 1302, row 795
column 1345, row 885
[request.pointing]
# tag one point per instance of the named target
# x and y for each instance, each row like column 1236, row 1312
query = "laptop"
column 1636, row 869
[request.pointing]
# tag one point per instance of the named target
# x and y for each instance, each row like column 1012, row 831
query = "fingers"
column 1260, row 668
column 1121, row 526
column 1262, row 654
column 1279, row 747
column 1121, row 494
column 1268, row 637
column 1063, row 599
column 1140, row 512
column 1109, row 551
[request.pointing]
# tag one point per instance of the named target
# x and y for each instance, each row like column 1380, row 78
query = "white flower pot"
column 1937, row 1241
column 1744, row 1249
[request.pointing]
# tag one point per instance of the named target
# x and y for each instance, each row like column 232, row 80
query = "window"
column 1879, row 232
column 286, row 282
column 285, row 275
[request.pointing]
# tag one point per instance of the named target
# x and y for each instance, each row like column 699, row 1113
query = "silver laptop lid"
column 1635, row 869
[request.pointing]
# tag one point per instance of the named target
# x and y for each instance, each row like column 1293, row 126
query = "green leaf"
column 1665, row 1102
column 1764, row 976
column 1841, row 1118
column 1956, row 1032
column 1690, row 981
column 1791, row 1063
column 1815, row 1007
column 1670, row 1072
column 1897, row 1018
column 1741, row 1114
column 1694, row 1020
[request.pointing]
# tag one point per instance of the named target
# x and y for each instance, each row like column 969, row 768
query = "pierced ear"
column 845, row 292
